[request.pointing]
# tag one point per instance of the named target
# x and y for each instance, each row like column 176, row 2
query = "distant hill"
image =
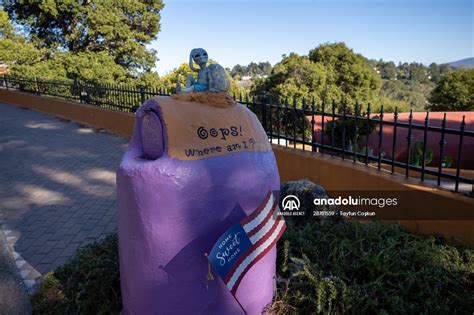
column 464, row 63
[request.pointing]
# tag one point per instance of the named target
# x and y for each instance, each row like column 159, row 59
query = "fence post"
column 264, row 114
column 78, row 89
column 313, row 146
column 142, row 94
column 37, row 86
column 5, row 80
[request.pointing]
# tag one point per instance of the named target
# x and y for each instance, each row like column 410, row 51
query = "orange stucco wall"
column 333, row 174
column 115, row 121
column 338, row 176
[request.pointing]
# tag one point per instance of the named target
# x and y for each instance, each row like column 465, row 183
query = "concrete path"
column 13, row 296
column 57, row 189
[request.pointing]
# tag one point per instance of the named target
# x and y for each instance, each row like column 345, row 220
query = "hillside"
column 464, row 63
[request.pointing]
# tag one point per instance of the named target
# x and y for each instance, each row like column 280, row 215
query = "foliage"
column 105, row 42
column 177, row 74
column 330, row 72
column 15, row 49
column 416, row 155
column 120, row 29
column 351, row 131
column 438, row 71
column 407, row 85
column 94, row 67
column 349, row 77
column 413, row 71
column 389, row 105
column 370, row 268
column 88, row 284
column 454, row 92
column 147, row 79
column 388, row 70
column 447, row 161
column 50, row 298
column 411, row 93
column 92, row 41
column 295, row 77
column 180, row 73
column 252, row 69
column 417, row 72
column 323, row 267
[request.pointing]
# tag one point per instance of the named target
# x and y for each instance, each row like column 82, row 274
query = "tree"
column 147, row 79
column 93, row 67
column 121, row 29
column 265, row 67
column 403, row 71
column 417, row 72
column 388, row 70
column 237, row 71
column 180, row 73
column 434, row 72
column 168, row 81
column 412, row 92
column 454, row 92
column 349, row 76
column 389, row 105
column 14, row 49
column 294, row 77
column 25, row 59
column 331, row 72
column 445, row 69
column 252, row 69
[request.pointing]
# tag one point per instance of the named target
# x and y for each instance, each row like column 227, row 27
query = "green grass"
column 327, row 268
column 351, row 267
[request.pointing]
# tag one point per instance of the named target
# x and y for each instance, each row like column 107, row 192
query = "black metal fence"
column 346, row 133
column 121, row 97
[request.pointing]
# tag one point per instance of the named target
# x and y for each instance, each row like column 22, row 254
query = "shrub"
column 416, row 155
column 352, row 267
column 346, row 128
column 328, row 267
column 88, row 284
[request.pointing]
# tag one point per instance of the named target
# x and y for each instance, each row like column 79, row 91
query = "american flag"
column 245, row 243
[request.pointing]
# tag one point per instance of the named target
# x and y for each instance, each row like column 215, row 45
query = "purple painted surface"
column 171, row 212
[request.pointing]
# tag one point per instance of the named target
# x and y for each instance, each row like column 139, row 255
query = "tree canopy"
column 349, row 75
column 294, row 77
column 105, row 41
column 90, row 40
column 454, row 92
column 412, row 92
column 334, row 72
column 15, row 49
column 330, row 72
column 252, row 69
column 168, row 81
column 121, row 28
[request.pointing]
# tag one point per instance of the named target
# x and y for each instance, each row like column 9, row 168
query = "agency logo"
column 291, row 203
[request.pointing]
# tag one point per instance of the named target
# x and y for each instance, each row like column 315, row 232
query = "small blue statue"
column 211, row 78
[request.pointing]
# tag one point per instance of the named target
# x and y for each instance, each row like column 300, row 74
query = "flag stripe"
column 250, row 217
column 267, row 226
column 250, row 250
column 255, row 257
column 269, row 215
column 260, row 214
column 253, row 252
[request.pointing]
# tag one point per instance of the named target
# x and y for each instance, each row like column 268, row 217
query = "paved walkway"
column 57, row 188
column 13, row 296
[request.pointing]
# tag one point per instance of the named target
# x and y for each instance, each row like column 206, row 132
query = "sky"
column 239, row 32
